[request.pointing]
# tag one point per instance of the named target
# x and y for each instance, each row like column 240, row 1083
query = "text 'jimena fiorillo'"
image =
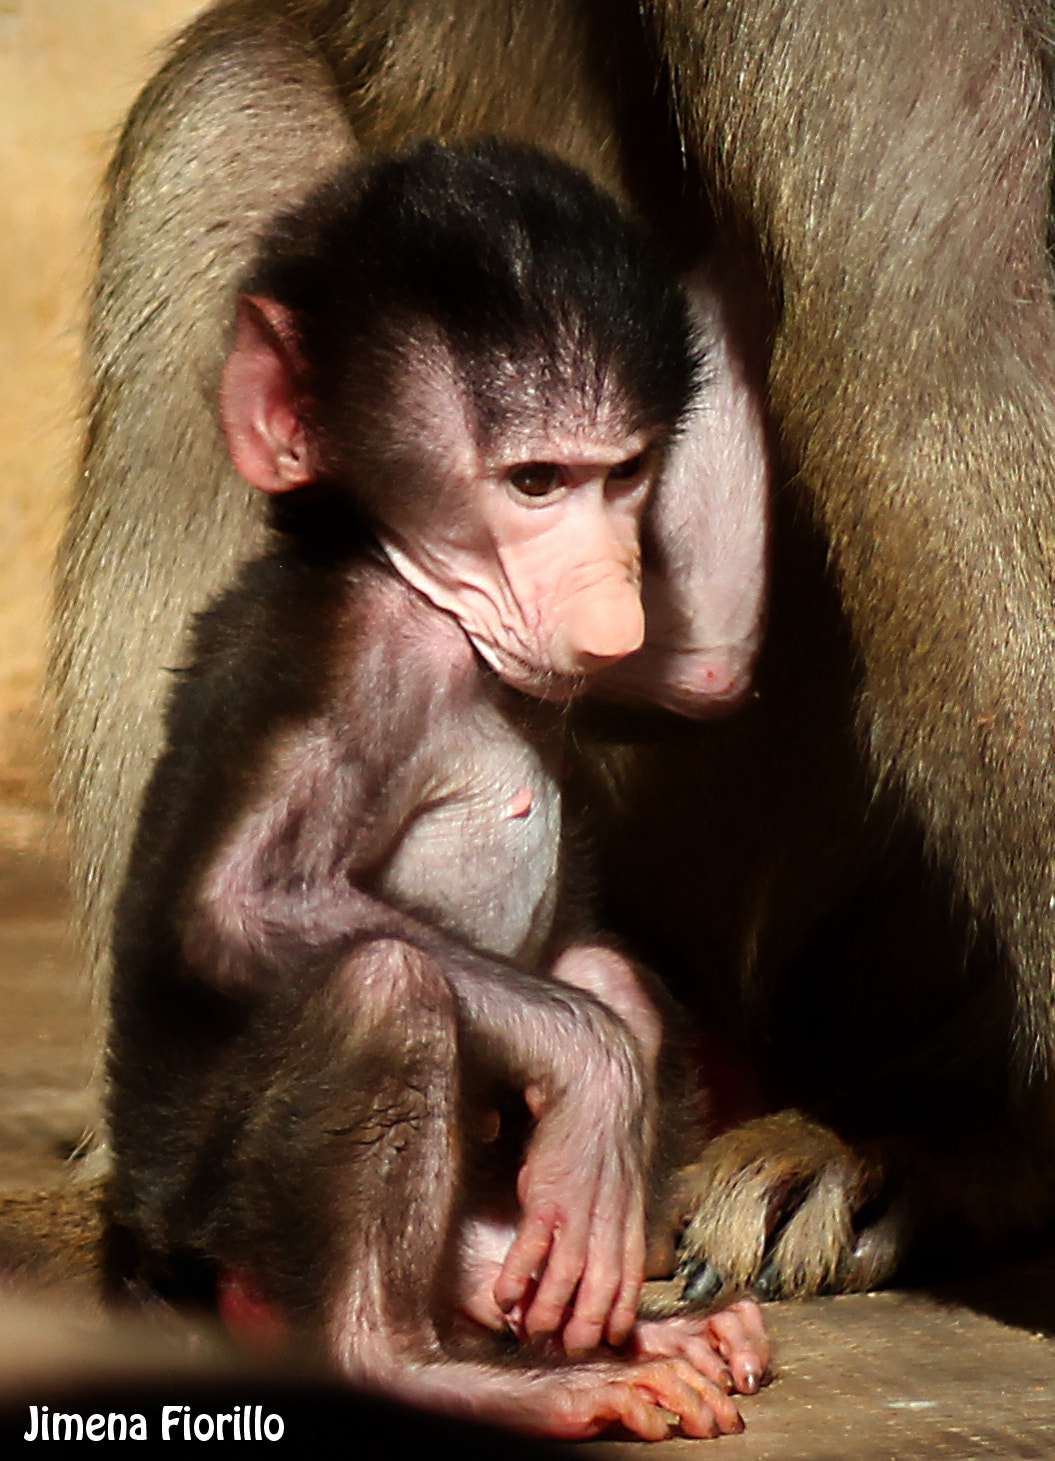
column 175, row 1423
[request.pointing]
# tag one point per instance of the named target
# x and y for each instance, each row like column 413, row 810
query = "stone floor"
column 902, row 1376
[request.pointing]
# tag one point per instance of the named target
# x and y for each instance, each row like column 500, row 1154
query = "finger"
column 565, row 1263
column 689, row 1338
column 623, row 1314
column 636, row 1410
column 709, row 1400
column 704, row 1358
column 526, row 1257
column 701, row 1408
column 585, row 1329
column 609, row 1291
column 740, row 1335
column 601, row 1283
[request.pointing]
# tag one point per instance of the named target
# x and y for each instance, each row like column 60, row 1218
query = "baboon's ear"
column 258, row 399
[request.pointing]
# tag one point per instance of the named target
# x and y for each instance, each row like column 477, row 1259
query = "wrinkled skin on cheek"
column 549, row 595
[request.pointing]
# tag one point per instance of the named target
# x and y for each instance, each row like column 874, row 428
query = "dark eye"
column 536, row 479
column 624, row 471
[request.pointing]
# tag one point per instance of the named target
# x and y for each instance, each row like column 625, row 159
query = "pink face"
column 532, row 542
column 536, row 553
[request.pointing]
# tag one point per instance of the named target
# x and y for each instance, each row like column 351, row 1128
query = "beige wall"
column 68, row 71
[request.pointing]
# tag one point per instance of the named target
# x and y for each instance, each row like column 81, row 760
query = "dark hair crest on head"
column 510, row 255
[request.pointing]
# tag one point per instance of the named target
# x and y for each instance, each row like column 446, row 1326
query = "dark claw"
column 703, row 1284
column 768, row 1284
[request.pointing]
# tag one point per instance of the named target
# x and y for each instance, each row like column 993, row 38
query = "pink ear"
column 265, row 435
